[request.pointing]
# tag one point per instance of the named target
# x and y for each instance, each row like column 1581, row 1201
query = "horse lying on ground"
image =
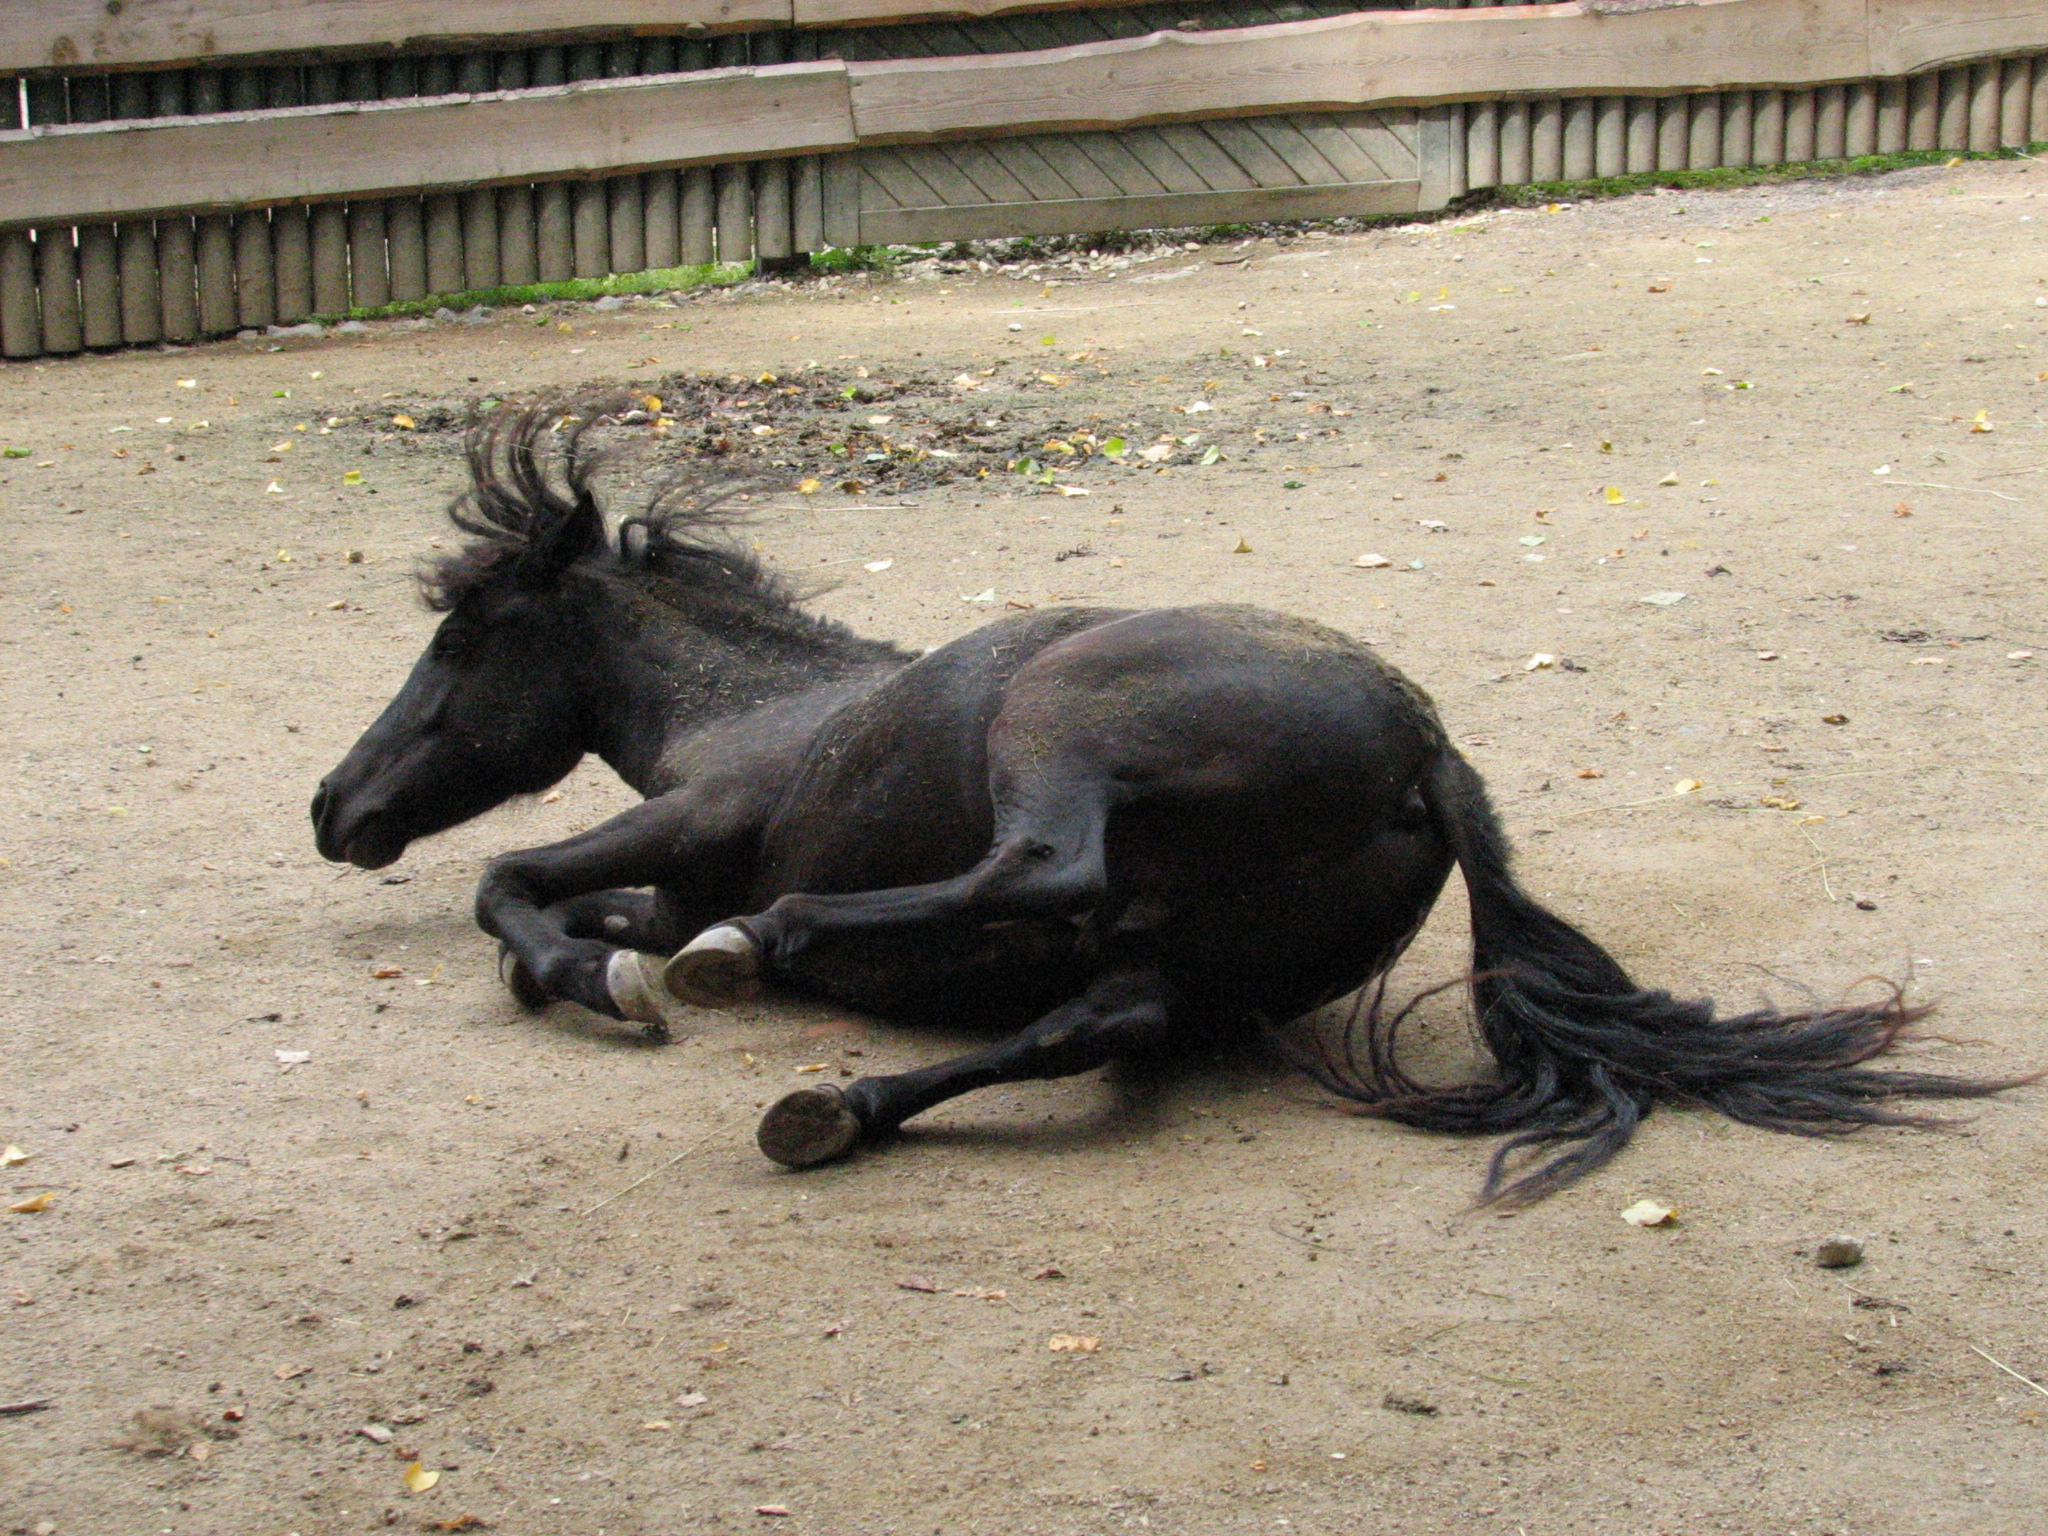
column 1122, row 826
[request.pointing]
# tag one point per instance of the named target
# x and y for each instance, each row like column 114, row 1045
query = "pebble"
column 1838, row 1253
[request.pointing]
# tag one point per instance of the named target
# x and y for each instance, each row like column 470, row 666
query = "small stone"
column 1838, row 1253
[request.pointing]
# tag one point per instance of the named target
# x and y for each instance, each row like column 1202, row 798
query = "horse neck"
column 660, row 672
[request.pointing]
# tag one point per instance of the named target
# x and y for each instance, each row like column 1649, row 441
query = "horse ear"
column 576, row 531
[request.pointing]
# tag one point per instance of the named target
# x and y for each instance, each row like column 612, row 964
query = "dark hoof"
column 519, row 981
column 717, row 969
column 809, row 1127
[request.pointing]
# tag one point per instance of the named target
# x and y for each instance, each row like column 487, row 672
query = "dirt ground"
column 310, row 1222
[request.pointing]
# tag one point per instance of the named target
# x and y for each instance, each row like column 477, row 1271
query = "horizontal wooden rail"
column 89, row 172
column 74, row 35
column 93, row 172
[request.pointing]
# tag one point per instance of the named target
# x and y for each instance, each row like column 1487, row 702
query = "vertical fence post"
column 2015, row 103
column 698, row 217
column 291, row 259
column 626, row 224
column 1923, row 111
column 57, row 286
column 142, row 311
column 518, row 262
column 177, row 265
column 554, row 244
column 1954, row 131
column 1546, row 140
column 480, row 239
column 444, row 242
column 659, row 192
column 1738, row 147
column 1767, row 127
column 330, row 259
column 1830, row 122
column 1482, row 145
column 216, row 259
column 99, row 285
column 1440, row 139
column 405, row 243
column 1891, row 116
column 1984, row 104
column 1703, row 143
column 1799, row 135
column 1859, row 135
column 21, row 333
column 1642, row 134
column 733, row 188
column 2037, row 128
column 369, row 279
column 255, row 281
column 591, row 219
column 1610, row 136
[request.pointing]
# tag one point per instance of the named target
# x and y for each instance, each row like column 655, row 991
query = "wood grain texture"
column 1907, row 36
column 374, row 148
column 80, row 34
column 1088, row 215
column 1364, row 59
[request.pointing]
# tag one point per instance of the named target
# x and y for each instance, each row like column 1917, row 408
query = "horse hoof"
column 809, row 1127
column 519, row 981
column 716, row 969
column 633, row 992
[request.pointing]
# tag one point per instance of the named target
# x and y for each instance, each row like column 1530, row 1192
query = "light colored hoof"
column 519, row 981
column 717, row 969
column 809, row 1127
column 635, row 992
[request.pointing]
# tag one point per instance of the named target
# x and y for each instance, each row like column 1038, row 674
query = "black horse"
column 1121, row 826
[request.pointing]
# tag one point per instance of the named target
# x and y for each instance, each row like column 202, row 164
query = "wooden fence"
column 175, row 169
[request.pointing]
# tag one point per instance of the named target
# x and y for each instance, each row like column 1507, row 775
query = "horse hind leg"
column 1046, row 861
column 1124, row 1012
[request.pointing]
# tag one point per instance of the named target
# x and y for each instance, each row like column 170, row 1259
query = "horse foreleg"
column 542, row 904
column 635, row 920
column 1123, row 1012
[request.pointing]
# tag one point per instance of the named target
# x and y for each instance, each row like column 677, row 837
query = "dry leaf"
column 1072, row 1344
column 657, row 1424
column 404, row 421
column 1779, row 803
column 1242, row 548
column 808, row 487
column 353, row 477
column 387, row 972
column 419, row 1479
column 1981, row 422
column 918, row 1283
column 878, row 565
column 1592, row 773
column 1686, row 786
column 1671, row 479
column 986, row 596
column 33, row 1204
column 1539, row 662
column 1373, row 562
column 1614, row 496
column 1661, row 599
column 12, row 1156
column 692, row 1400
column 777, row 1510
column 1070, row 490
column 1648, row 1213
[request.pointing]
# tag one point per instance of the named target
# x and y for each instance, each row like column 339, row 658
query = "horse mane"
column 532, row 507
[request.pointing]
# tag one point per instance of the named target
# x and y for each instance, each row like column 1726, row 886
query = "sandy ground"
column 545, row 1260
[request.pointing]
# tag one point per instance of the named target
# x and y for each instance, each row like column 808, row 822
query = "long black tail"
column 1583, row 1053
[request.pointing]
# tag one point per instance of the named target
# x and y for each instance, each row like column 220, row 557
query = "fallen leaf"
column 1834, row 719
column 878, row 565
column 1539, row 662
column 1779, row 803
column 33, row 1204
column 419, row 1479
column 657, row 1424
column 199, row 1450
column 387, row 972
column 1211, row 454
column 404, row 421
column 1981, row 422
column 777, row 1510
column 1661, row 599
column 292, row 1058
column 979, row 1293
column 918, row 1283
column 12, row 1156
column 1592, row 773
column 376, row 1434
column 353, row 477
column 1686, row 786
column 987, row 596
column 1670, row 479
column 1072, row 1344
column 1614, row 496
column 808, row 487
column 1070, row 490
column 1373, row 562
column 1242, row 548
column 692, row 1400
column 1158, row 453
column 1648, row 1213
column 457, row 1523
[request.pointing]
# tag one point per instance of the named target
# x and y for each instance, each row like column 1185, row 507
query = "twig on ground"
column 2015, row 1375
column 664, row 1168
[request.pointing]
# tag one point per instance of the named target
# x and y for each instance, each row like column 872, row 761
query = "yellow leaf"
column 353, row 477
column 405, row 421
column 650, row 402
column 30, row 1206
column 1648, row 1213
column 419, row 1479
column 1243, row 548
column 808, row 487
column 1614, row 496
column 1072, row 1344
column 1686, row 786
column 12, row 1155
column 1981, row 422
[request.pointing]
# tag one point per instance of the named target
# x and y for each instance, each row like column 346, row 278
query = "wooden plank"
column 330, row 259
column 1830, row 122
column 978, row 163
column 69, row 33
column 255, row 278
column 367, row 149
column 1893, row 97
column 1859, row 134
column 1151, row 149
column 443, row 213
column 772, row 240
column 142, row 310
column 1767, row 127
column 1546, row 141
column 1204, row 156
column 99, row 286
column 57, row 287
column 1091, row 215
column 807, row 204
column 1022, row 159
column 699, row 217
column 405, row 246
column 1441, row 168
column 659, row 207
column 1110, row 155
column 369, row 274
column 1674, row 133
column 626, row 223
column 1367, row 58
column 1907, row 36
column 590, row 228
column 1077, row 168
column 1738, row 146
column 733, row 202
column 1984, row 105
column 890, row 178
column 1305, row 163
column 1349, row 143
column 2016, row 101
column 1515, row 124
column 480, row 238
column 21, row 332
column 177, row 268
column 291, row 264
